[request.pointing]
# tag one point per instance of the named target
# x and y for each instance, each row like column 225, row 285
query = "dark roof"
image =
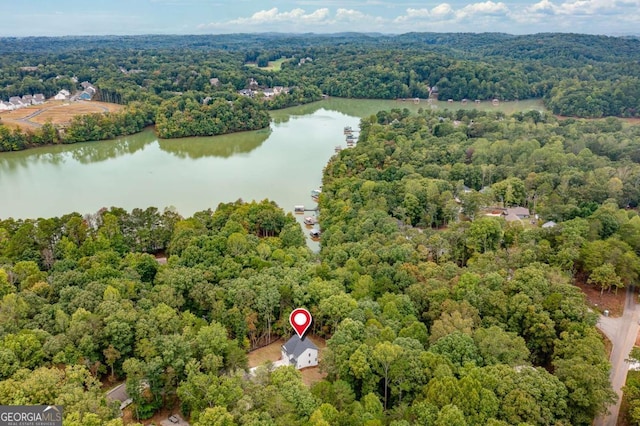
column 296, row 346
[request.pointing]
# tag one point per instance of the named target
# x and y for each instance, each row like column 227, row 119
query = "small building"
column 62, row 95
column 16, row 101
column 495, row 102
column 38, row 99
column 549, row 225
column 300, row 353
column 315, row 233
column 310, row 220
column 298, row 208
column 27, row 99
column 6, row 106
column 516, row 213
column 477, row 101
column 214, row 81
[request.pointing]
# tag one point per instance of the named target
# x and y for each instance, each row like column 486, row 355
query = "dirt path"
column 27, row 119
column 622, row 332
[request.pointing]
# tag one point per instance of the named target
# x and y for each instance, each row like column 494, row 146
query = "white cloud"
column 485, row 8
column 442, row 11
column 582, row 7
column 413, row 14
column 349, row 15
column 489, row 15
column 274, row 16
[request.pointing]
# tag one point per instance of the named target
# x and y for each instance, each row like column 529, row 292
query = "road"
column 622, row 332
column 28, row 118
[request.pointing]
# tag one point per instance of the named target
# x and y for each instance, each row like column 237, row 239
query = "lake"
column 282, row 163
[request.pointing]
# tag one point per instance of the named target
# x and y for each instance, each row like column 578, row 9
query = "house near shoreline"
column 62, row 95
column 300, row 353
column 16, row 102
column 267, row 92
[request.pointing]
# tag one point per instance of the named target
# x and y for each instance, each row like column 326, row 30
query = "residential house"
column 299, row 352
column 38, row 99
column 206, row 100
column 84, row 96
column 516, row 213
column 16, row 101
column 27, row 99
column 268, row 93
column 6, row 106
column 214, row 81
column 549, row 225
column 247, row 92
column 62, row 95
column 253, row 83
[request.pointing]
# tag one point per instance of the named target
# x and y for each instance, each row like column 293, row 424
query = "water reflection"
column 223, row 146
column 84, row 153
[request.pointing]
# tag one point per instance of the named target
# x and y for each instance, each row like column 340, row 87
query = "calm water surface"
column 283, row 163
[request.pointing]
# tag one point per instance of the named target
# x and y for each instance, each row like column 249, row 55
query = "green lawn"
column 273, row 65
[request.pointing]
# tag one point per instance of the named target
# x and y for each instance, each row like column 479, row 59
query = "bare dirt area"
column 266, row 353
column 612, row 302
column 56, row 112
column 60, row 114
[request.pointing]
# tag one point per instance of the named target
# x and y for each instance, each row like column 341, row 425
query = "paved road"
column 622, row 332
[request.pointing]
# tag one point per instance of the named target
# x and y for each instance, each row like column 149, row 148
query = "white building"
column 301, row 353
column 62, row 95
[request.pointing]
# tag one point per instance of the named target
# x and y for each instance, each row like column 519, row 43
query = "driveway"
column 622, row 332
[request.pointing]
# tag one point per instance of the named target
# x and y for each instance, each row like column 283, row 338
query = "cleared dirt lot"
column 56, row 112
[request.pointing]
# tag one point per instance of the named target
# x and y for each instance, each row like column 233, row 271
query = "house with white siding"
column 299, row 352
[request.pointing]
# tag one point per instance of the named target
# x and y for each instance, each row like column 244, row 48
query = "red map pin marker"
column 300, row 320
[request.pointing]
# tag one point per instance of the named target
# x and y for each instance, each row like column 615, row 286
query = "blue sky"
column 95, row 17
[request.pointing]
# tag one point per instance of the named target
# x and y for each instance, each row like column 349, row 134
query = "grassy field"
column 56, row 112
column 273, row 65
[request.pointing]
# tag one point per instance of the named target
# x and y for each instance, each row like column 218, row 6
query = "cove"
column 282, row 163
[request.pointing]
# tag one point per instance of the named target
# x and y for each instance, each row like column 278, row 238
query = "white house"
column 300, row 352
column 6, row 106
column 38, row 99
column 62, row 95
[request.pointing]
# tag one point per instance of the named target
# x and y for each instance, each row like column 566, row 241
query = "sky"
column 118, row 17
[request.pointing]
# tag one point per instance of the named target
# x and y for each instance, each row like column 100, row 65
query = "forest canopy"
column 434, row 312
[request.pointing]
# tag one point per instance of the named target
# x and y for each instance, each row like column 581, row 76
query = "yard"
column 273, row 65
column 272, row 353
